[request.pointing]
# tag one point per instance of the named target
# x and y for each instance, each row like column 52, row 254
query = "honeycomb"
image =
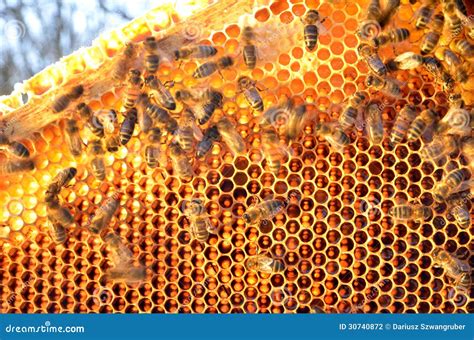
column 342, row 251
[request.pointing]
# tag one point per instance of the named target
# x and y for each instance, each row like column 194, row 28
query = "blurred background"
column 37, row 33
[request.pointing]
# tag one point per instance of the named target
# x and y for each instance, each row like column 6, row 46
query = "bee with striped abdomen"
column 152, row 59
column 103, row 215
column 391, row 7
column 436, row 68
column 312, row 27
column 274, row 153
column 456, row 65
column 163, row 95
column 73, row 139
column 181, row 162
column 349, row 114
column 198, row 52
column 128, row 126
column 97, row 152
column 419, row 125
column 374, row 123
column 121, row 254
column 463, row 47
column 112, row 143
column 207, row 69
column 402, row 123
column 58, row 232
column 404, row 61
column 60, row 181
column 455, row 24
column 455, row 181
column 59, row 214
column 394, row 36
column 18, row 149
column 11, row 167
column 249, row 50
column 121, row 67
column 415, row 212
column 264, row 264
column 441, row 146
column 461, row 216
column 424, row 14
column 199, row 222
column 143, row 118
column 457, row 270
column 211, row 101
column 231, row 136
column 431, row 39
column 248, row 87
column 133, row 88
column 153, row 148
column 333, row 134
column 210, row 136
column 372, row 59
column 185, row 135
column 161, row 116
column 62, row 102
column 265, row 210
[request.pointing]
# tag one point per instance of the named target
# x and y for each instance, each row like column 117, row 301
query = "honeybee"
column 181, row 162
column 10, row 167
column 60, row 181
column 388, row 86
column 335, row 136
column 394, row 36
column 200, row 224
column 312, row 26
column 440, row 147
column 73, row 139
column 153, row 149
column 163, row 95
column 265, row 264
column 372, row 59
column 453, row 182
column 423, row 16
column 265, row 210
column 103, row 215
column 273, row 152
column 198, row 52
column 231, row 136
column 132, row 91
column 250, row 50
column 121, row 254
column 122, row 66
column 128, row 126
column 404, row 119
column 390, row 9
column 186, row 132
column 112, row 143
column 455, row 101
column 349, row 114
column 127, row 273
column 59, row 214
column 210, row 136
column 374, row 123
column 462, row 216
column 456, row 65
column 374, row 11
column 152, row 59
column 62, row 102
column 249, row 89
column 431, row 39
column 456, row 121
column 96, row 151
column 454, row 268
column 18, row 149
column 421, row 123
column 404, row 61
column 436, row 68
column 212, row 100
column 161, row 116
column 295, row 121
column 464, row 47
column 415, row 212
column 210, row 67
column 455, row 23
column 143, row 118
column 58, row 232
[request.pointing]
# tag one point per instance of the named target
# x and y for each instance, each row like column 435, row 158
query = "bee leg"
column 220, row 73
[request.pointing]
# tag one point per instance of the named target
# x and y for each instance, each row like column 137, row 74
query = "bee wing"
column 322, row 30
column 197, row 133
